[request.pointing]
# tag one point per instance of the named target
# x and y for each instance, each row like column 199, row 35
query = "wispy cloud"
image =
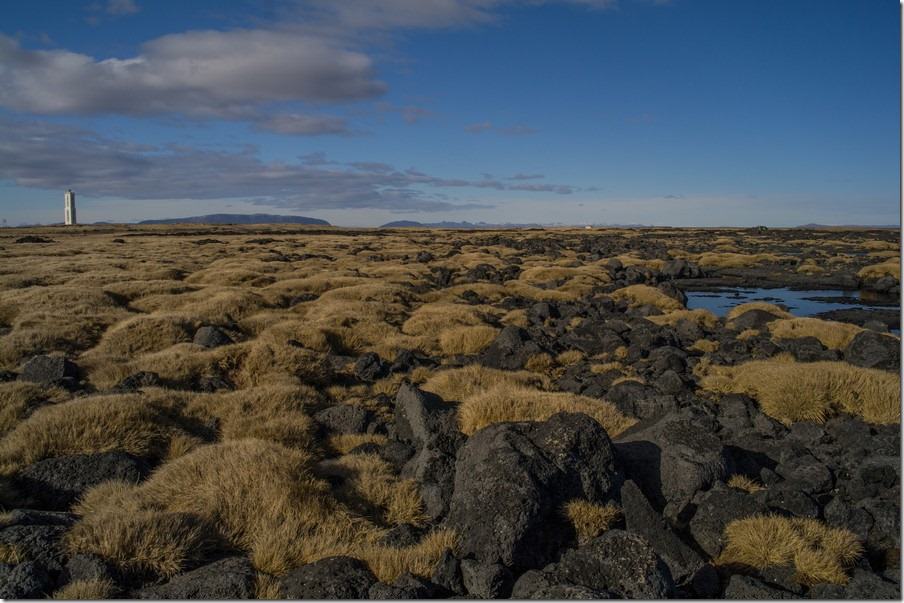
column 122, row 7
column 52, row 156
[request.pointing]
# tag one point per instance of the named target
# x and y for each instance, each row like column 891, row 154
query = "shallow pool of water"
column 800, row 303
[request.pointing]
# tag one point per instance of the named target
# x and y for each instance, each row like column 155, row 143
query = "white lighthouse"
column 69, row 208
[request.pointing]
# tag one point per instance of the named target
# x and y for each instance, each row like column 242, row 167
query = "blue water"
column 797, row 302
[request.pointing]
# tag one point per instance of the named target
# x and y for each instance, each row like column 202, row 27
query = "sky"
column 360, row 112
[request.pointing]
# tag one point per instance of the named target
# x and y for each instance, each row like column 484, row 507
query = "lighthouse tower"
column 69, row 208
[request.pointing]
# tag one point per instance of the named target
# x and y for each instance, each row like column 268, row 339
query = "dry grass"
column 19, row 399
column 138, row 424
column 891, row 267
column 461, row 383
column 267, row 587
column 570, row 357
column 434, row 318
column 742, row 482
column 704, row 345
column 369, row 486
column 539, row 363
column 756, row 305
column 819, row 553
column 517, row 403
column 87, row 590
column 747, row 334
column 736, row 260
column 467, row 340
column 144, row 334
column 343, row 443
column 259, row 497
column 833, row 335
column 792, row 391
column 11, row 554
column 700, row 317
column 644, row 295
column 590, row 519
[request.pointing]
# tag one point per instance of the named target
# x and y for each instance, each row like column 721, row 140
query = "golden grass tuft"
column 460, row 383
column 735, row 260
column 891, row 267
column 267, row 587
column 518, row 403
column 539, row 363
column 144, row 334
column 644, row 295
column 700, row 316
column 369, row 486
column 742, row 482
column 258, row 497
column 834, row 335
column 433, row 318
column 797, row 391
column 467, row 340
column 87, row 590
column 747, row 334
column 756, row 305
column 141, row 424
column 704, row 345
column 590, row 519
column 819, row 553
column 19, row 399
column 11, row 554
column 569, row 357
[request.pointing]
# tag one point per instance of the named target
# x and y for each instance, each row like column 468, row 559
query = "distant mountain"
column 239, row 219
column 465, row 225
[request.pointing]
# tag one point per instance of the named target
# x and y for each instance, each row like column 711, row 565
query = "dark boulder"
column 27, row 580
column 808, row 349
column 405, row 587
column 486, row 581
column 40, row 543
column 511, row 480
column 84, row 567
column 618, row 562
column 749, row 588
column 329, row 578
column 447, row 573
column 407, row 360
column 806, row 473
column 229, row 578
column 753, row 319
column 672, row 458
column 57, row 482
column 369, row 367
column 344, row 418
column 874, row 350
column 211, row 337
column 50, row 370
column 420, row 415
column 510, row 350
column 643, row 520
column 717, row 508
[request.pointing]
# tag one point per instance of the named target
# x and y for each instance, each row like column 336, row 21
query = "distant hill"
column 239, row 219
column 465, row 225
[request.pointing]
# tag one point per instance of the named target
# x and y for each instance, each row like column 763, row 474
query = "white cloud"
column 202, row 73
column 122, row 7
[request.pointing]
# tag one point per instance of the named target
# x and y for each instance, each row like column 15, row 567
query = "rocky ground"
column 296, row 413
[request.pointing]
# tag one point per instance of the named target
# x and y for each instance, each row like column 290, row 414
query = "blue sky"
column 678, row 112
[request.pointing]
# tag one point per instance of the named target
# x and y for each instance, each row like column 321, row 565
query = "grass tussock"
column 756, row 305
column 343, row 443
column 369, row 485
column 87, row 590
column 144, row 334
column 704, row 345
column 461, row 383
column 11, row 554
column 834, row 335
column 644, row 295
column 507, row 403
column 819, row 553
column 436, row 317
column 736, row 260
column 258, row 497
column 139, row 424
column 742, row 482
column 700, row 316
column 890, row 267
column 19, row 399
column 467, row 340
column 590, row 519
column 797, row 391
